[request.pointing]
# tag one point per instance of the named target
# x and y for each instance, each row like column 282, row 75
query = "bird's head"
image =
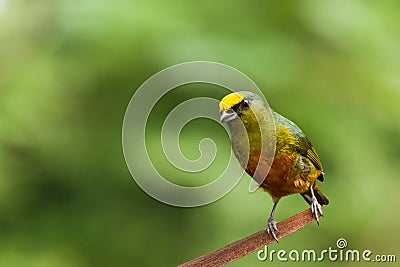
column 240, row 106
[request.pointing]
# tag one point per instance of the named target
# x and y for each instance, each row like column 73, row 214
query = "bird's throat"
column 247, row 150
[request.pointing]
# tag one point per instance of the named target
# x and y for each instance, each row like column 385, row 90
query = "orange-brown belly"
column 285, row 177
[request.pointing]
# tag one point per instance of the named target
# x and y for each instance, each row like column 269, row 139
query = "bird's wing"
column 302, row 145
column 307, row 150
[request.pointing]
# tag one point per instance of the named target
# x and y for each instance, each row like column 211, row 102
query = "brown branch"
column 245, row 246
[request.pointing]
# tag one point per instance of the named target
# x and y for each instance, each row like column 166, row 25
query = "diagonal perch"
column 241, row 248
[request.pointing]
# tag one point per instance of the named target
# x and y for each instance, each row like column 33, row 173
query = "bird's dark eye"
column 245, row 103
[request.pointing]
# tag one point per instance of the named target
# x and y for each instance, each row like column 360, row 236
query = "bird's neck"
column 246, row 141
column 252, row 140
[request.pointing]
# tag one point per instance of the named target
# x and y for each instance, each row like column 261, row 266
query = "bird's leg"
column 271, row 227
column 315, row 206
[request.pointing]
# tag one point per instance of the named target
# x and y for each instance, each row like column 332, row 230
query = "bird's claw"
column 316, row 209
column 271, row 228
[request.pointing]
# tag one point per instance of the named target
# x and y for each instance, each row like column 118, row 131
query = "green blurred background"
column 69, row 68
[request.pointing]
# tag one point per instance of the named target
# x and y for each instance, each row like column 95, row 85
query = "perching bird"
column 295, row 166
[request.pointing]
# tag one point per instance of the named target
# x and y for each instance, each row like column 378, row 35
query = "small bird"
column 295, row 164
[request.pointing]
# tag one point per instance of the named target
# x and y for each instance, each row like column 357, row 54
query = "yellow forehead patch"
column 229, row 101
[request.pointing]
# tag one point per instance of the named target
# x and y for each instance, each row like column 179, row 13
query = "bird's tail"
column 322, row 199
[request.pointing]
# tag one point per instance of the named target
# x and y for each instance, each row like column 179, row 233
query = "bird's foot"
column 316, row 208
column 271, row 228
